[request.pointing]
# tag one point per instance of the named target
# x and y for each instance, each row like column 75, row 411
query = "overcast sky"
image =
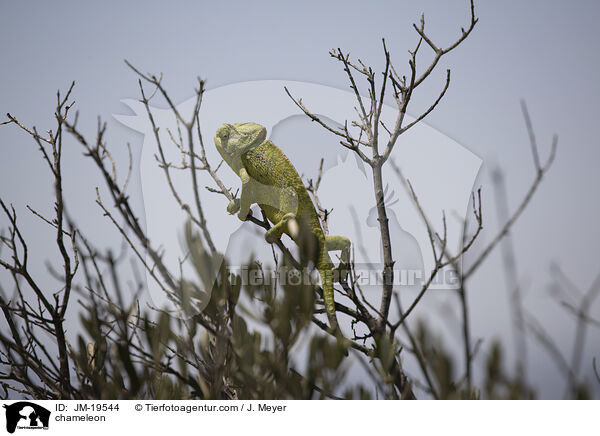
column 546, row 52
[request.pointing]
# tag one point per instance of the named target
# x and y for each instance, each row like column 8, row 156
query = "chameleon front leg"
column 242, row 205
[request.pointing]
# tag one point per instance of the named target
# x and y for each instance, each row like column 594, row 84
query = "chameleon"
column 270, row 180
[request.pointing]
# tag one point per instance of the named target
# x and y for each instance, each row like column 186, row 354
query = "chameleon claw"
column 233, row 206
column 271, row 237
column 244, row 218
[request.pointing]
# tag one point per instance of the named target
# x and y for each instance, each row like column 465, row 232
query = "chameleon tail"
column 325, row 267
column 326, row 273
column 327, row 281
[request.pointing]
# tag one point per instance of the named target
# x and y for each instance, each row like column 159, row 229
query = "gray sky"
column 546, row 52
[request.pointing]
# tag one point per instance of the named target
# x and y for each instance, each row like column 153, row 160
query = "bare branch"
column 515, row 216
column 439, row 52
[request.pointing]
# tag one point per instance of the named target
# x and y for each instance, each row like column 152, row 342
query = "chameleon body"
column 270, row 180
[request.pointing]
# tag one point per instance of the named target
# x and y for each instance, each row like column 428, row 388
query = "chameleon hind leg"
column 287, row 224
column 335, row 243
column 285, row 201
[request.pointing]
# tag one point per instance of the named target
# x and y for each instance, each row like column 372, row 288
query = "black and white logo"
column 27, row 416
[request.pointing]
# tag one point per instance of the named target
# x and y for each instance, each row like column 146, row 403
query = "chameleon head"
column 235, row 139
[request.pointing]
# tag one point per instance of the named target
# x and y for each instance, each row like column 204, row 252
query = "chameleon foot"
column 233, row 206
column 287, row 224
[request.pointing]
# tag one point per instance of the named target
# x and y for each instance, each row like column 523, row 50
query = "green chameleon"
column 270, row 180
